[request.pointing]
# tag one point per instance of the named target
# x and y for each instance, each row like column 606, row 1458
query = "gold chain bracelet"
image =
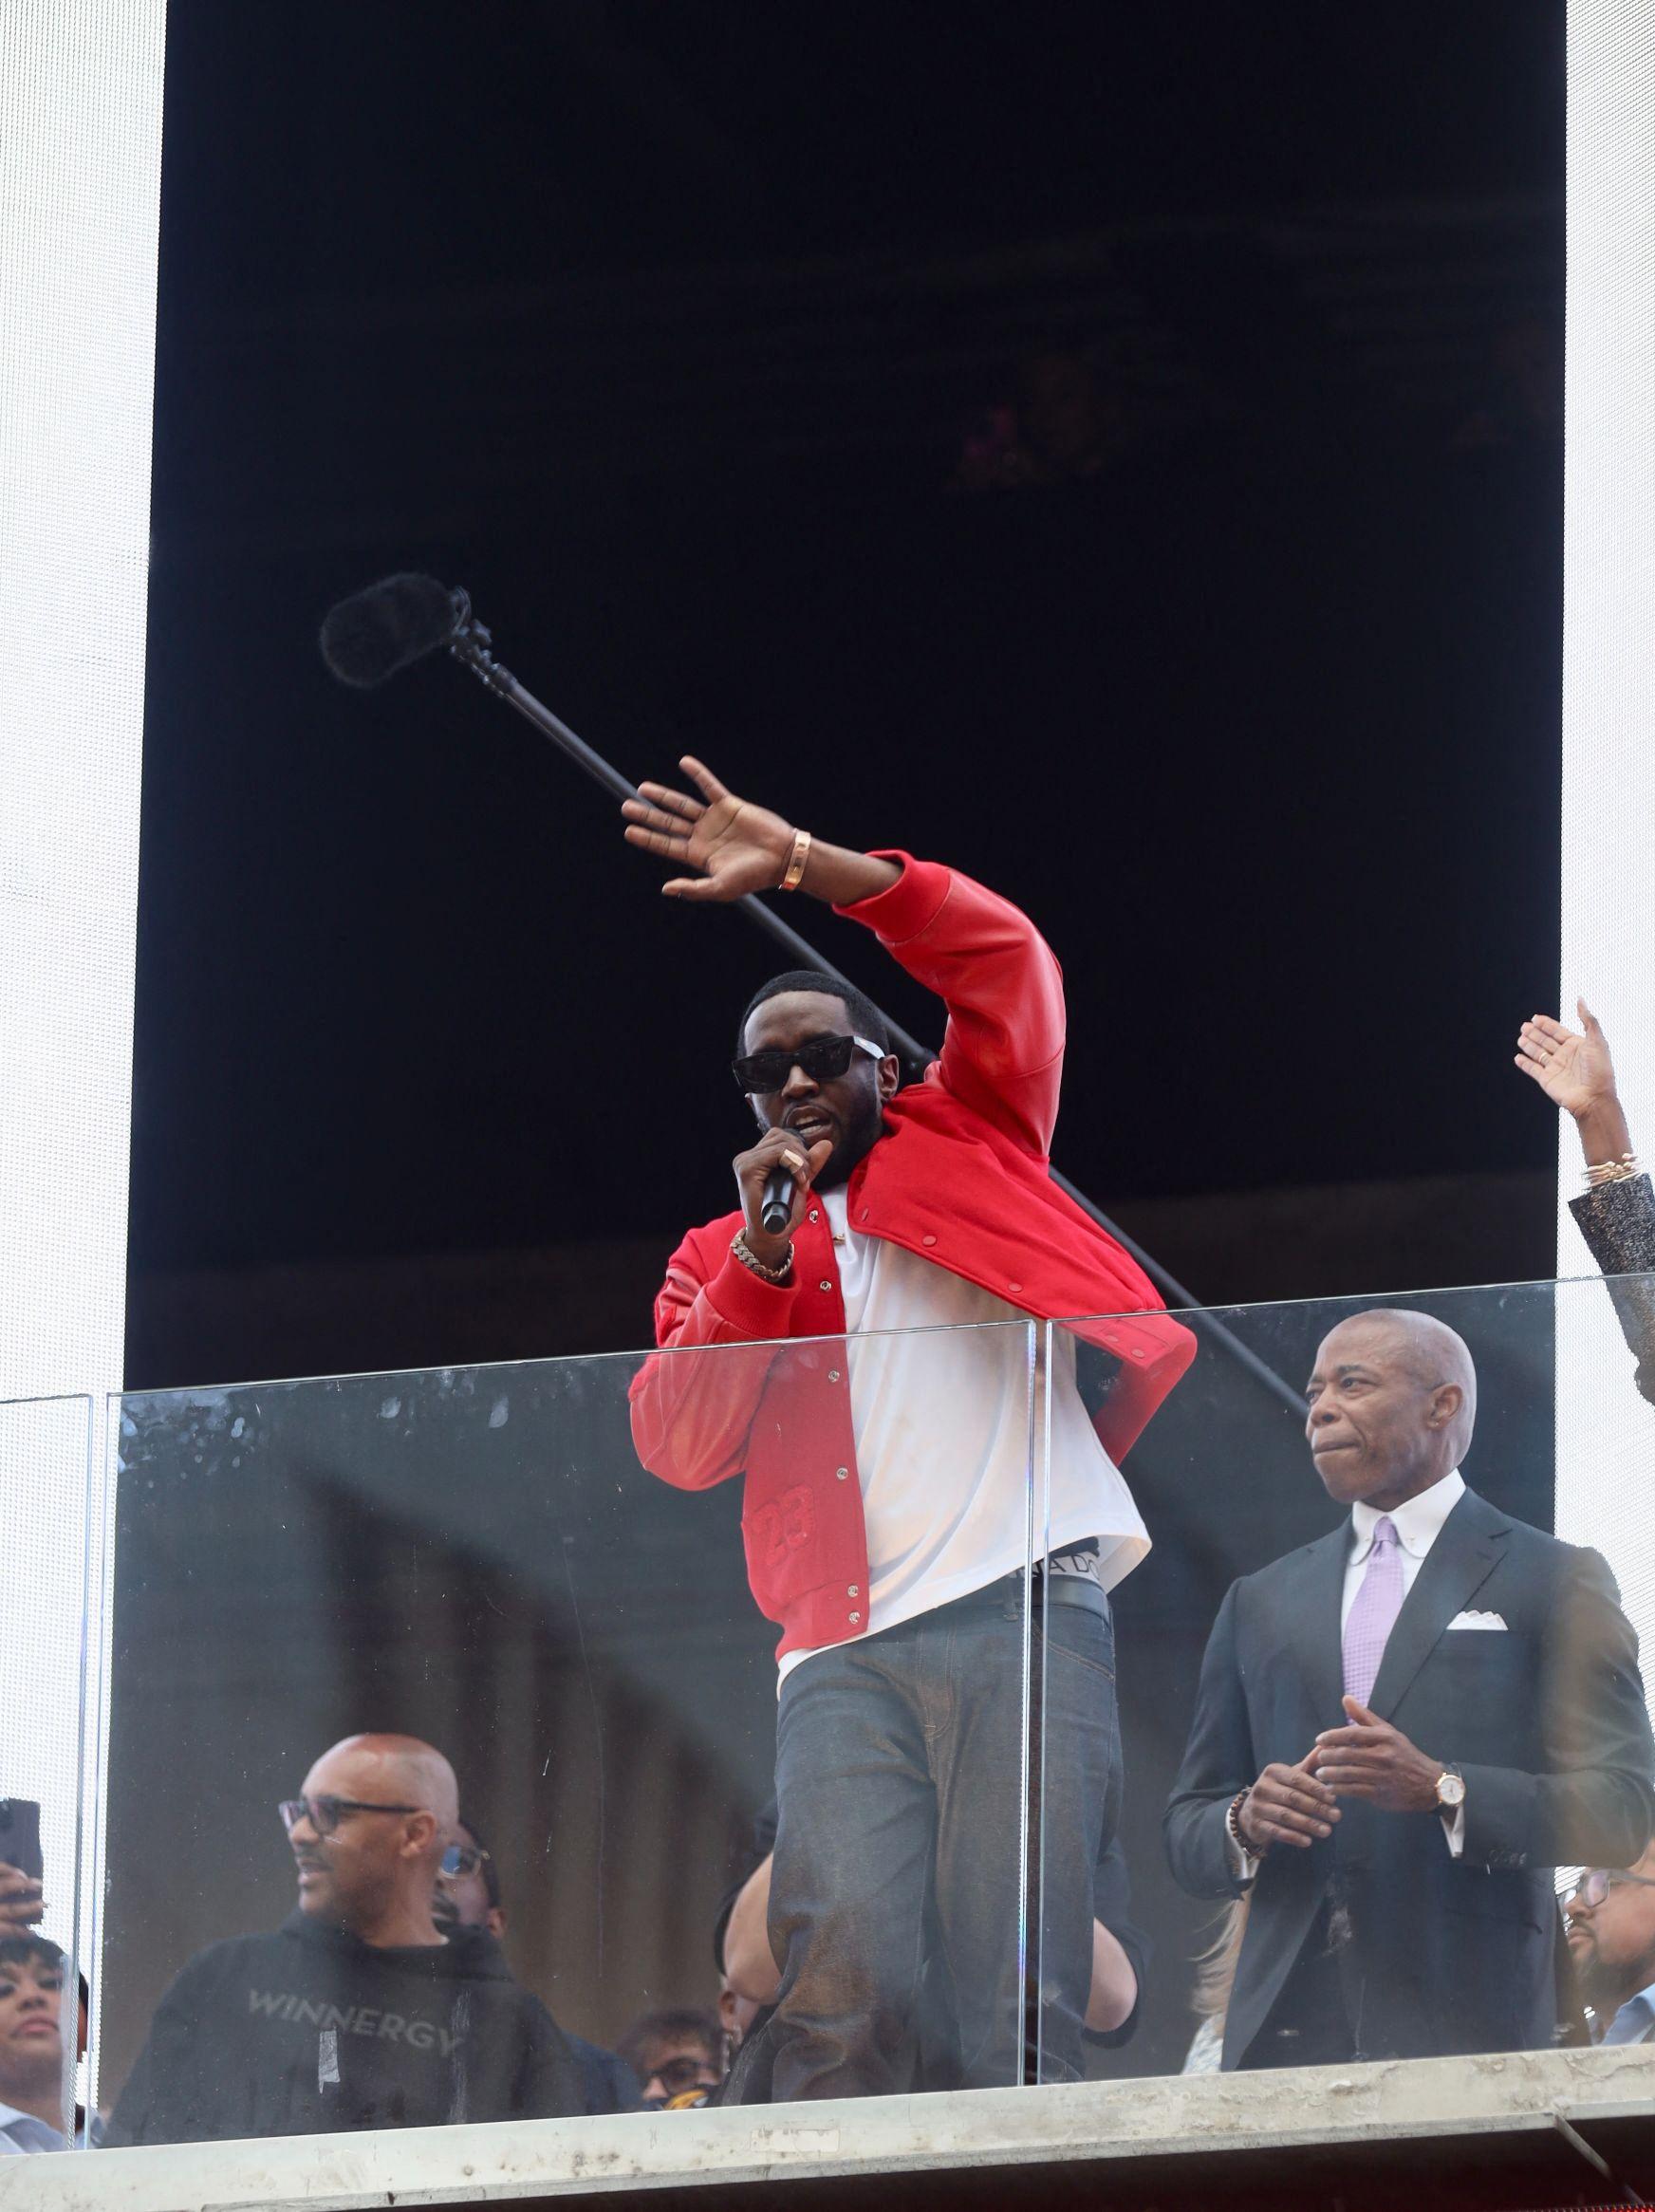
column 749, row 1258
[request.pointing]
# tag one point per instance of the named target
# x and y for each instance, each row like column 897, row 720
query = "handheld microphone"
column 775, row 1209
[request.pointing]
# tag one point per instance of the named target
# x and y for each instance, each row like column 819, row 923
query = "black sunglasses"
column 822, row 1058
column 325, row 1814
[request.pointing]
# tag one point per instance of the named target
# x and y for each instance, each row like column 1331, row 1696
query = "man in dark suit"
column 1401, row 1864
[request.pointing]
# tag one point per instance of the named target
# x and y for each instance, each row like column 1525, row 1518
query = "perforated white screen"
column 1606, row 1433
column 80, row 189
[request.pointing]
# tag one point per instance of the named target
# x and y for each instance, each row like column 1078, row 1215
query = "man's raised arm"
column 740, row 847
column 691, row 1411
column 1003, row 1051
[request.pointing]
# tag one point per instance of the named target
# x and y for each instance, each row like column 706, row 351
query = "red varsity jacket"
column 961, row 1176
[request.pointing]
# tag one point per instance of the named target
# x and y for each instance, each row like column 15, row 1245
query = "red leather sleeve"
column 1143, row 1384
column 692, row 1401
column 1002, row 1052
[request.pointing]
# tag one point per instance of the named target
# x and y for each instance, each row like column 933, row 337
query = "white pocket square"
column 1477, row 1620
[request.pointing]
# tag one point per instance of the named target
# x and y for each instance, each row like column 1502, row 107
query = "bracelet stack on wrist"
column 750, row 1259
column 1621, row 1170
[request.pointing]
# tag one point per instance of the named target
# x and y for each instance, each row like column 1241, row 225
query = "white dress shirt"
column 941, row 1416
column 1418, row 1522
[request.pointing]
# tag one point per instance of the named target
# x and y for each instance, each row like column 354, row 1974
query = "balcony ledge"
column 1553, row 2126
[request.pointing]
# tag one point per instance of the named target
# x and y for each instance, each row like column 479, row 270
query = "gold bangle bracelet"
column 1613, row 1171
column 797, row 860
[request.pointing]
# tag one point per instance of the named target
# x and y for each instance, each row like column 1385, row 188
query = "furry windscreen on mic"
column 398, row 620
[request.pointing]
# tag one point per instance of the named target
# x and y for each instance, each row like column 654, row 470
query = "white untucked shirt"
column 942, row 1431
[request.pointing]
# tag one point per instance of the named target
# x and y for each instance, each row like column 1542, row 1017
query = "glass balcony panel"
column 1251, row 1641
column 542, row 1573
column 45, row 1457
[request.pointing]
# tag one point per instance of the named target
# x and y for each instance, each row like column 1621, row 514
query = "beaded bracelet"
column 1233, row 1820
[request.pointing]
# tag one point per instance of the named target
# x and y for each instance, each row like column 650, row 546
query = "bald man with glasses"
column 359, row 2011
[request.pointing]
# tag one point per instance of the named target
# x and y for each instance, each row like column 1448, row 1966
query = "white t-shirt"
column 944, row 1437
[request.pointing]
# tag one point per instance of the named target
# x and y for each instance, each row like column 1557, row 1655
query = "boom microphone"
column 401, row 618
column 392, row 623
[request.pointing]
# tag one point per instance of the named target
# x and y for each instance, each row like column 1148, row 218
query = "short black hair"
column 41, row 1951
column 866, row 1018
column 30, row 1950
column 491, row 1868
column 674, row 2024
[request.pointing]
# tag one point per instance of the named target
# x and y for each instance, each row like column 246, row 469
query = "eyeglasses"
column 822, row 1058
column 325, row 1814
column 1594, row 1887
column 462, row 1859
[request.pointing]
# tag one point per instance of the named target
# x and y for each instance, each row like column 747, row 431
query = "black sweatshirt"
column 311, row 2030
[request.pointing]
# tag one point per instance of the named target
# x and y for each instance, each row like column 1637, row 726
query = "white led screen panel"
column 80, row 192
column 1606, row 1433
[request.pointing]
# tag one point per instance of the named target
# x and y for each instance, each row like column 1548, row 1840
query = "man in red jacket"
column 888, row 1480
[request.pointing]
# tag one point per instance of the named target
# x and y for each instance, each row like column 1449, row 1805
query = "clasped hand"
column 1367, row 1758
column 1371, row 1760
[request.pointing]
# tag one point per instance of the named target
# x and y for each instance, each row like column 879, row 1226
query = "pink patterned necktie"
column 1373, row 1615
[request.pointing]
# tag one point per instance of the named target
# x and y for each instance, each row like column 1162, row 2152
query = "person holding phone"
column 22, row 1868
column 32, row 1977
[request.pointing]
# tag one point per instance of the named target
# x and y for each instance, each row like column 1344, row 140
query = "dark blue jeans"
column 899, row 1785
